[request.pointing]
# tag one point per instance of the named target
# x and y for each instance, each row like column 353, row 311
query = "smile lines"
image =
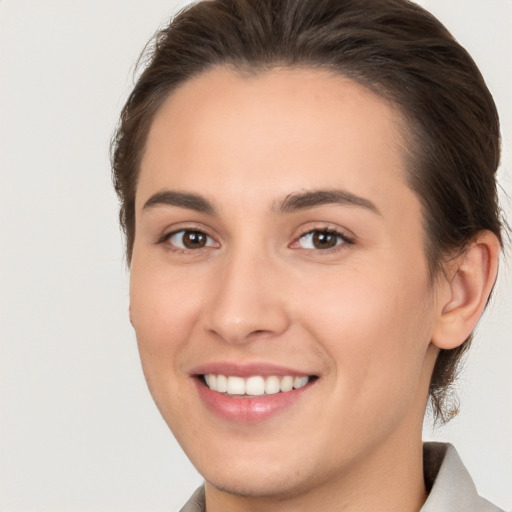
column 254, row 386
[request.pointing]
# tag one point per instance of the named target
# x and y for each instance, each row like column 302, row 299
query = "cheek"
column 162, row 304
column 163, row 312
column 374, row 330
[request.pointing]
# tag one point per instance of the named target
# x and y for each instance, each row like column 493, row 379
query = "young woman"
column 308, row 193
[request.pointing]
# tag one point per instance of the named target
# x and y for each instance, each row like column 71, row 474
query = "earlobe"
column 468, row 287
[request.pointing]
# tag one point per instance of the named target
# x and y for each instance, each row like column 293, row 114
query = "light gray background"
column 78, row 430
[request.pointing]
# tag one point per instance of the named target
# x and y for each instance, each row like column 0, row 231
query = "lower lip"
column 248, row 410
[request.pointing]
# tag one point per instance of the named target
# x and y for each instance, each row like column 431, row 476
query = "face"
column 279, row 287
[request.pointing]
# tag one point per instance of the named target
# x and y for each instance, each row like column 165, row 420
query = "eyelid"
column 165, row 238
column 347, row 237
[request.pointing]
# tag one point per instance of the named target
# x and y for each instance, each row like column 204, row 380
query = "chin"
column 258, row 485
column 277, row 477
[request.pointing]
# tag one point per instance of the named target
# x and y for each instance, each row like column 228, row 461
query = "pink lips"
column 246, row 409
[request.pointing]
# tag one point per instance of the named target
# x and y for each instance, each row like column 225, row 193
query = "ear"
column 464, row 294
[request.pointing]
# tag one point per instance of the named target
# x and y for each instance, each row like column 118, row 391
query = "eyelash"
column 341, row 240
column 166, row 239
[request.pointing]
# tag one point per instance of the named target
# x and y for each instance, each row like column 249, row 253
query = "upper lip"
column 247, row 370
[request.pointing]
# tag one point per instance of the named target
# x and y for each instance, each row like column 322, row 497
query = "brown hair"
column 393, row 47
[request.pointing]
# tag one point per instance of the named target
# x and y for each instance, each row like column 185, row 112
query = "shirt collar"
column 450, row 486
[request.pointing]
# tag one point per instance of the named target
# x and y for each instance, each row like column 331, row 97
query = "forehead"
column 272, row 133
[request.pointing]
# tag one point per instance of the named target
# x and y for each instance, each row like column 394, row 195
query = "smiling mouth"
column 255, row 385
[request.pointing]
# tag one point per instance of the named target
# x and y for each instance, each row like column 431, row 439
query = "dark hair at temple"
column 393, row 47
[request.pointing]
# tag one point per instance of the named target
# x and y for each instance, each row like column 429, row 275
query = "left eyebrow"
column 311, row 199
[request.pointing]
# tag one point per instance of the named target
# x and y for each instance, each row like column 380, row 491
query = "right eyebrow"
column 180, row 199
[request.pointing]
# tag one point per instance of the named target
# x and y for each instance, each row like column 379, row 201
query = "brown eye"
column 324, row 240
column 194, row 239
column 321, row 239
column 190, row 239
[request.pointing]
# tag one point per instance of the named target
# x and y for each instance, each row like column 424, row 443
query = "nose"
column 247, row 302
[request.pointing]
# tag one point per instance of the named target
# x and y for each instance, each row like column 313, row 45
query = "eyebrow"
column 292, row 203
column 311, row 199
column 180, row 199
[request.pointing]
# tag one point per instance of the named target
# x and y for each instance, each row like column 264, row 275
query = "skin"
column 362, row 315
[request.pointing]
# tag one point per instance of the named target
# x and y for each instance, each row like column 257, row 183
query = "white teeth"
column 286, row 384
column 255, row 385
column 236, row 386
column 300, row 382
column 272, row 385
column 222, row 383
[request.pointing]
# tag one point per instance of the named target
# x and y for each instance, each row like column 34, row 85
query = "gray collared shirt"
column 451, row 489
